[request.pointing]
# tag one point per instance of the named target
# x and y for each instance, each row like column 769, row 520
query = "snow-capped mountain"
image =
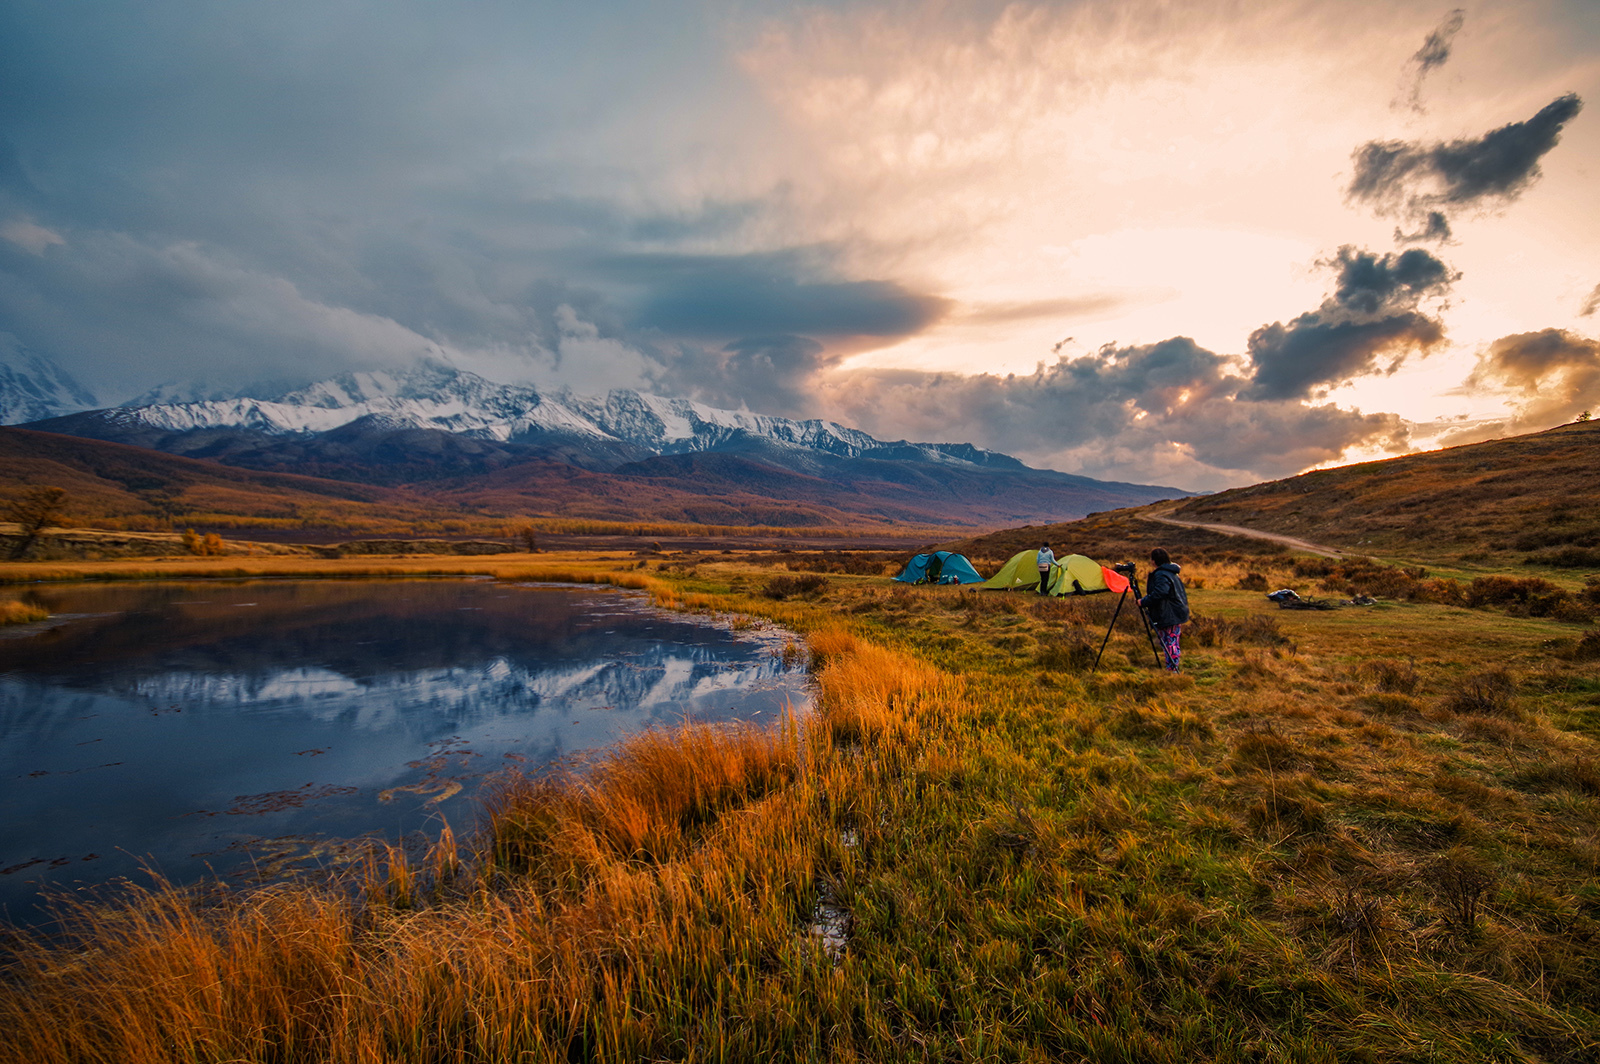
column 33, row 387
column 626, row 424
column 452, row 435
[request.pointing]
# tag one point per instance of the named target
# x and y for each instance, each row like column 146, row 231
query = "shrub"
column 1252, row 581
column 1588, row 648
column 1510, row 591
column 782, row 587
column 1566, row 558
column 1487, row 693
column 1390, row 675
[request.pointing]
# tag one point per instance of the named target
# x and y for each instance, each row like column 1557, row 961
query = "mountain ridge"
column 448, row 433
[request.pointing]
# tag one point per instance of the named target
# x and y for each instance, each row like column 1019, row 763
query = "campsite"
column 848, row 532
column 1364, row 833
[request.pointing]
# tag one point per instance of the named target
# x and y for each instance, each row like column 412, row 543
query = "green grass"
column 1334, row 838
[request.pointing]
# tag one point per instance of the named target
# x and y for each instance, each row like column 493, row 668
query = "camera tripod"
column 1149, row 629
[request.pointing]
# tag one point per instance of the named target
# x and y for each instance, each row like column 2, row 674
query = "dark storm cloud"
column 1435, row 230
column 771, row 374
column 1434, row 53
column 723, row 296
column 1556, row 373
column 1373, row 312
column 1403, row 177
column 1171, row 409
column 406, row 179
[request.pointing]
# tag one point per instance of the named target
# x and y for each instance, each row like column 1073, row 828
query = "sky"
column 1198, row 244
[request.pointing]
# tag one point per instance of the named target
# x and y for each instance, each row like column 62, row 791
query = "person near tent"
column 1167, row 604
column 1047, row 558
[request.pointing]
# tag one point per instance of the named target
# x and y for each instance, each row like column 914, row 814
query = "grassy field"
column 1364, row 834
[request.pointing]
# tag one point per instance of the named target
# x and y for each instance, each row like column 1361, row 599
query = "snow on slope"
column 33, row 387
column 435, row 396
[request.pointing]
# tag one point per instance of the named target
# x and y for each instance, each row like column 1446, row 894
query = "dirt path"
column 1236, row 530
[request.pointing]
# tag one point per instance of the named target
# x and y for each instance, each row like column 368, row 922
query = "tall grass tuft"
column 641, row 801
column 875, row 695
column 13, row 612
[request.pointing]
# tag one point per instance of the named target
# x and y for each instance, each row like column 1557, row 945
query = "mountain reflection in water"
column 245, row 726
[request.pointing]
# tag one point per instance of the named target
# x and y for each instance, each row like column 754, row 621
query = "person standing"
column 1167, row 604
column 1047, row 558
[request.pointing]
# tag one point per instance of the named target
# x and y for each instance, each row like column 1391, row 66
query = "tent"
column 939, row 567
column 1072, row 575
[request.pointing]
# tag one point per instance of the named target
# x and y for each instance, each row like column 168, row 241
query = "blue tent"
column 939, row 567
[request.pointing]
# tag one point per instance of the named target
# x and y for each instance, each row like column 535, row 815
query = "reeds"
column 13, row 612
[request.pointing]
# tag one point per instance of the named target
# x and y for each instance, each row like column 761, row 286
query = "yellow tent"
column 1072, row 575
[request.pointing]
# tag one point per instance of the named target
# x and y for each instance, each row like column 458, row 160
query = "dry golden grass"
column 12, row 612
column 1350, row 844
column 673, row 856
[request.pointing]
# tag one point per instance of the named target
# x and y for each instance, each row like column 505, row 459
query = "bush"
column 1487, row 693
column 1566, row 558
column 1391, row 676
column 1509, row 590
column 782, row 587
column 1588, row 648
column 1252, row 581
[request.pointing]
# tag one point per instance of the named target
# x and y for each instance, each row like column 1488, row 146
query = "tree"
column 33, row 510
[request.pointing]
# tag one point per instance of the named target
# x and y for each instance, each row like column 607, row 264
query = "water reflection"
column 227, row 725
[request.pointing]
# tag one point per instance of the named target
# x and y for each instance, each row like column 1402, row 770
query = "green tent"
column 1072, row 575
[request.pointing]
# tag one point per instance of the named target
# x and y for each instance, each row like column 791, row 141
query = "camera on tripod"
column 1125, row 568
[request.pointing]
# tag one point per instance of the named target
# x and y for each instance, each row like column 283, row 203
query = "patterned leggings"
column 1169, row 643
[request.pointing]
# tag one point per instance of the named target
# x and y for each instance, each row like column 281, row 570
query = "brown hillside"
column 140, row 488
column 121, row 486
column 1111, row 537
column 1533, row 498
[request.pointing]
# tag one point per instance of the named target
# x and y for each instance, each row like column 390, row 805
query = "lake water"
column 250, row 728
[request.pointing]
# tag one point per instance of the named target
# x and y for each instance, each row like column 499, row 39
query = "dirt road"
column 1236, row 530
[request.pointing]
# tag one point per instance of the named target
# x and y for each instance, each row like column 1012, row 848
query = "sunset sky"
column 1197, row 244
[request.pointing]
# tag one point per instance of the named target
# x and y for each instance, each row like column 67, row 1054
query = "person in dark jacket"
column 1167, row 604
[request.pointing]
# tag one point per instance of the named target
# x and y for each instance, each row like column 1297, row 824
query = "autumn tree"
column 33, row 509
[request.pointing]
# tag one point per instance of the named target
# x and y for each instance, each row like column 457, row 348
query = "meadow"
column 1369, row 833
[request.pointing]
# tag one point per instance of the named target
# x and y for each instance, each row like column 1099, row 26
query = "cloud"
column 121, row 306
column 1591, row 303
column 1435, row 229
column 1553, row 374
column 1170, row 412
column 790, row 291
column 1372, row 312
column 1396, row 177
column 30, row 236
column 1434, row 53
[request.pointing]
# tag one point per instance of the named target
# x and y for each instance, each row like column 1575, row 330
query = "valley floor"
column 1371, row 833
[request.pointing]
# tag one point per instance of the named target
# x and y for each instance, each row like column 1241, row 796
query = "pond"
column 251, row 728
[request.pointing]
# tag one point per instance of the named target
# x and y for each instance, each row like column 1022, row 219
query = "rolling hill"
column 1531, row 499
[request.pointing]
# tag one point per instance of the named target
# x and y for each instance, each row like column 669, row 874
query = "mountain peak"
column 33, row 387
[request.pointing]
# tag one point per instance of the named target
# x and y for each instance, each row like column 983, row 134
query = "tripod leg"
column 1109, row 628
